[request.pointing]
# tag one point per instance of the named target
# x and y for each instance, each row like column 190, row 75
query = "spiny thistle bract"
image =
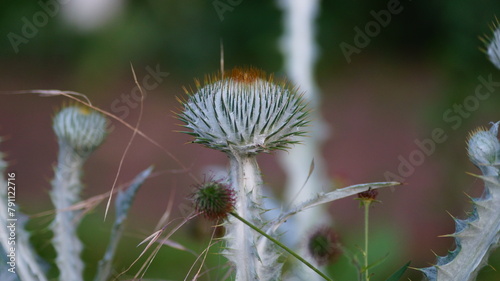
column 244, row 112
column 493, row 47
column 476, row 236
column 214, row 200
column 80, row 128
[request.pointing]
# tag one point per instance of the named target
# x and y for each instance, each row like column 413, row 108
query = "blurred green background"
column 394, row 92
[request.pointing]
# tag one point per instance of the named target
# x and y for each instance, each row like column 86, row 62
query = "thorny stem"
column 245, row 176
column 65, row 192
column 281, row 245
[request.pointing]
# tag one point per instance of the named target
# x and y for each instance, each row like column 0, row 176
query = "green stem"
column 281, row 245
column 367, row 213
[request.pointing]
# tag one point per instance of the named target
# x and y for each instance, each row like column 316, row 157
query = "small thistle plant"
column 476, row 236
column 79, row 131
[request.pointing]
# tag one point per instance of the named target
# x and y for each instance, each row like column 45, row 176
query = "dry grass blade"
column 151, row 239
column 124, row 201
column 135, row 130
column 204, row 254
column 167, row 212
column 150, row 259
column 71, row 95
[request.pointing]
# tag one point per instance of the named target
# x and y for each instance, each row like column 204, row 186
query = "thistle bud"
column 483, row 146
column 244, row 112
column 80, row 128
column 324, row 246
column 214, row 200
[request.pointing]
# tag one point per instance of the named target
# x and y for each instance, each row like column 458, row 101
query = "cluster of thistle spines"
column 493, row 44
column 244, row 117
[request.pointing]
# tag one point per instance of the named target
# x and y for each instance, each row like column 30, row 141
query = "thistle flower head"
column 214, row 200
column 493, row 47
column 244, row 112
column 324, row 246
column 80, row 128
column 483, row 146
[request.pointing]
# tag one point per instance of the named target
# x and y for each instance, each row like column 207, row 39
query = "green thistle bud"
column 483, row 146
column 324, row 246
column 214, row 200
column 244, row 112
column 80, row 128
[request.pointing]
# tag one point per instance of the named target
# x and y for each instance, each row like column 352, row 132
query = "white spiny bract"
column 476, row 236
column 244, row 113
column 80, row 128
column 494, row 47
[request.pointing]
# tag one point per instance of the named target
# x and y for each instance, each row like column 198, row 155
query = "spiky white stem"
column 241, row 240
column 66, row 188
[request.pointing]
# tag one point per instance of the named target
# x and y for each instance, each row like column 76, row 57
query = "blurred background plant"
column 394, row 92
